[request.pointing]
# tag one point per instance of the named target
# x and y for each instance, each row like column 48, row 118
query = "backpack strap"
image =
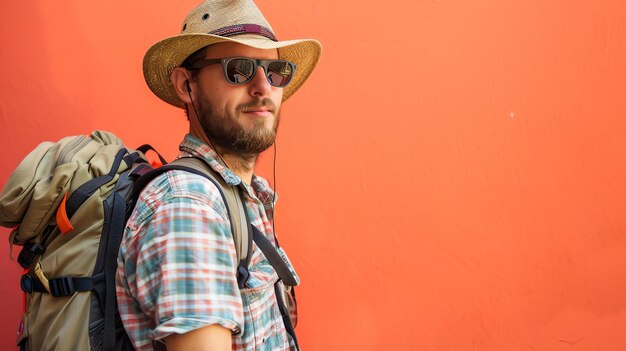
column 285, row 275
column 147, row 147
column 284, row 311
column 59, row 286
column 232, row 196
column 82, row 193
column 114, row 239
column 274, row 257
column 233, row 199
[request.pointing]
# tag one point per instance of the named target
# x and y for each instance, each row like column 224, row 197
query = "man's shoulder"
column 174, row 185
column 177, row 197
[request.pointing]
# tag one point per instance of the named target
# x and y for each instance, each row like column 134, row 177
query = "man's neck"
column 241, row 166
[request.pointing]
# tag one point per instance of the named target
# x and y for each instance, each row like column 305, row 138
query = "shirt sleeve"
column 185, row 270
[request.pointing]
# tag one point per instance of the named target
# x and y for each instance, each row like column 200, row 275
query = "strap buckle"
column 28, row 253
column 26, row 283
column 62, row 286
column 242, row 276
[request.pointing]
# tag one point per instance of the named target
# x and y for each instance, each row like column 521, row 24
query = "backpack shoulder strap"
column 232, row 198
column 240, row 225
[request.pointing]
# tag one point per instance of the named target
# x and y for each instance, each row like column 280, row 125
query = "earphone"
column 188, row 87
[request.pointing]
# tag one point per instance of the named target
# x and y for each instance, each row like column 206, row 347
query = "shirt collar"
column 259, row 187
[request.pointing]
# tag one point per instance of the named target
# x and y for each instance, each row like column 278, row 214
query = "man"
column 176, row 279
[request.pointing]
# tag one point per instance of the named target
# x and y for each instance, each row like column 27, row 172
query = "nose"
column 260, row 86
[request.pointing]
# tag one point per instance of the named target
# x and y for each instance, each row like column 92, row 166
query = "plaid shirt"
column 177, row 262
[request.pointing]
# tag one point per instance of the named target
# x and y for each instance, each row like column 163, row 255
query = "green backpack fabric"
column 68, row 202
column 57, row 201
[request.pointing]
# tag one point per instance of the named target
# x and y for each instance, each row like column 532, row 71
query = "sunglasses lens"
column 279, row 73
column 240, row 70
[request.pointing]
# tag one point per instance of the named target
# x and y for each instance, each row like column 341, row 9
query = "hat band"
column 244, row 29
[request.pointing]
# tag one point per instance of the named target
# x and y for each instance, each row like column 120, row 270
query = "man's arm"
column 183, row 266
column 210, row 338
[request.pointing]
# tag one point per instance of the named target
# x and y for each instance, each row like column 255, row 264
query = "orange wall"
column 452, row 177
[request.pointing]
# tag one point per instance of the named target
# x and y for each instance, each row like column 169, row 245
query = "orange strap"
column 62, row 221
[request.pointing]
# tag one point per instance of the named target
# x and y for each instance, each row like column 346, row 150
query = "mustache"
column 261, row 102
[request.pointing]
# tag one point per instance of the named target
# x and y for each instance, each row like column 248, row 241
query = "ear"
column 180, row 79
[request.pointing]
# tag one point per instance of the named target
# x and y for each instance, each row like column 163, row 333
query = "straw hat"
column 211, row 22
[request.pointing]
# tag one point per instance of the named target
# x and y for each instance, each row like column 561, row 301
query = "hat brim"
column 170, row 53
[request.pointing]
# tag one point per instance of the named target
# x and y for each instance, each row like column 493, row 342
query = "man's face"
column 240, row 118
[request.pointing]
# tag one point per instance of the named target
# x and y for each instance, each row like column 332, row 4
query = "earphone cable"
column 274, row 198
column 209, row 140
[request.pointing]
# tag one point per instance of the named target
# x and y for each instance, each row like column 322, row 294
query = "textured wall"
column 452, row 177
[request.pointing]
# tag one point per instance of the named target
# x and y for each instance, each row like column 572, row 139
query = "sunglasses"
column 240, row 70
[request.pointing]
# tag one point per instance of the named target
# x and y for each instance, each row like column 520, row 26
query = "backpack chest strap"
column 59, row 286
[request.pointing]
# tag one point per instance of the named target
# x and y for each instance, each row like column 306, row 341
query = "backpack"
column 68, row 203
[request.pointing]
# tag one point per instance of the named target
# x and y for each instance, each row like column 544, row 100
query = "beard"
column 227, row 133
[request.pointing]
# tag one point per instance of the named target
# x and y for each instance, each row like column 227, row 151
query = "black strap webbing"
column 114, row 238
column 284, row 311
column 59, row 286
column 80, row 195
column 274, row 257
column 147, row 147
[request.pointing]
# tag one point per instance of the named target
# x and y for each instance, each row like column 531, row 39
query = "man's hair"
column 189, row 62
